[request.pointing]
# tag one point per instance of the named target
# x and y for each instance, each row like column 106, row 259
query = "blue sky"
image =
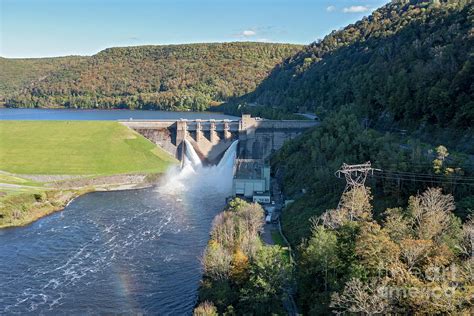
column 38, row 28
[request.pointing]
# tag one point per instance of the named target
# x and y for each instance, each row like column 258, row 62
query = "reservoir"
column 88, row 115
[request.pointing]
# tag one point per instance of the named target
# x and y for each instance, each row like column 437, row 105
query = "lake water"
column 86, row 115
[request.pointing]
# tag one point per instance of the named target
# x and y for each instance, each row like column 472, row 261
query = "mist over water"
column 193, row 178
column 121, row 252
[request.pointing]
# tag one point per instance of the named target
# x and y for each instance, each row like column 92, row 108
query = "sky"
column 44, row 28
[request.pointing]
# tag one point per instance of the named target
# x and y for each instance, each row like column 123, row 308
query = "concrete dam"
column 258, row 138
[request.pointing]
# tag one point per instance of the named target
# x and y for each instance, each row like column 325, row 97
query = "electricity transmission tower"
column 355, row 176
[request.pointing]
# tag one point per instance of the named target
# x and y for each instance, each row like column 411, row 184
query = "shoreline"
column 56, row 198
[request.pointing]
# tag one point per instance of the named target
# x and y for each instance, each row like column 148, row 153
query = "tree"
column 376, row 251
column 354, row 206
column 442, row 154
column 240, row 266
column 319, row 258
column 365, row 298
column 205, row 309
column 217, row 261
column 179, row 77
column 467, row 245
column 357, row 203
column 431, row 213
column 269, row 281
column 414, row 252
column 389, row 267
column 396, row 224
column 233, row 260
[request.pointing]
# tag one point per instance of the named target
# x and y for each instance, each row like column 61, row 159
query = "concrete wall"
column 210, row 138
column 258, row 138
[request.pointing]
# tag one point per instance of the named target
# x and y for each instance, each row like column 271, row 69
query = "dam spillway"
column 258, row 138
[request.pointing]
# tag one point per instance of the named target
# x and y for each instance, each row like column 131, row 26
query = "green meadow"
column 77, row 148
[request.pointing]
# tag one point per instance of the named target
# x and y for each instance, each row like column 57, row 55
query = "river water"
column 108, row 252
column 124, row 252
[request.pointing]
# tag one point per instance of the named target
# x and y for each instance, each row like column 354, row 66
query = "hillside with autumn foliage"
column 170, row 77
column 407, row 65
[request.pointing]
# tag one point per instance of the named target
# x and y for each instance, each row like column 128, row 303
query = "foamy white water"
column 195, row 178
column 191, row 157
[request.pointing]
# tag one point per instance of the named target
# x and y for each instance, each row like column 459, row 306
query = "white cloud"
column 331, row 8
column 356, row 9
column 259, row 33
column 248, row 33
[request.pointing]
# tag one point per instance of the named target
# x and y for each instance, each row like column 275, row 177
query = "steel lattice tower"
column 355, row 176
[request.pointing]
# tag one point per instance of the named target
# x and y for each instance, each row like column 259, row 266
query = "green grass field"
column 77, row 147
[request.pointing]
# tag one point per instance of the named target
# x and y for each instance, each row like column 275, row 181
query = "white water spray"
column 227, row 161
column 190, row 155
column 193, row 177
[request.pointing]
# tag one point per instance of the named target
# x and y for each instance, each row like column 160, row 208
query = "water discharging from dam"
column 124, row 252
column 194, row 177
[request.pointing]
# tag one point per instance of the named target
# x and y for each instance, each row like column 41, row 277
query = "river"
column 123, row 252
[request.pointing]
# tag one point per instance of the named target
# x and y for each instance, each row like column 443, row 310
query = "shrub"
column 205, row 309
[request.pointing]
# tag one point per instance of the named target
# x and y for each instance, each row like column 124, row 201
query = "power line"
column 356, row 175
column 430, row 163
column 427, row 175
column 414, row 179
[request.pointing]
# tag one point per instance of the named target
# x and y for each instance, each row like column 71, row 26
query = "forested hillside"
column 308, row 164
column 417, row 260
column 408, row 64
column 18, row 74
column 342, row 256
column 172, row 77
column 403, row 244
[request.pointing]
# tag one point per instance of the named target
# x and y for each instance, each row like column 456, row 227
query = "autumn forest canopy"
column 410, row 63
column 173, row 77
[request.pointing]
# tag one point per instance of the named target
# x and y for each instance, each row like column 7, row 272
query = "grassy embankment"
column 88, row 150
column 279, row 241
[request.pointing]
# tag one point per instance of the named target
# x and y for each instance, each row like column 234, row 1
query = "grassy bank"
column 24, row 208
column 77, row 148
column 27, row 201
column 45, row 164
